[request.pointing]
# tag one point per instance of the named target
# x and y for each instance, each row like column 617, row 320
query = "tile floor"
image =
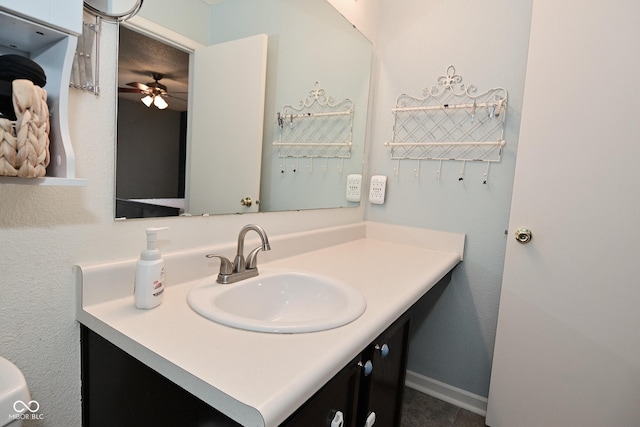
column 420, row 410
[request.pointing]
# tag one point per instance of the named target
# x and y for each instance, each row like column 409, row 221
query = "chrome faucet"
column 241, row 267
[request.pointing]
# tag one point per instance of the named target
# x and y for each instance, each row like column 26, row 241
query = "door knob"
column 246, row 201
column 523, row 235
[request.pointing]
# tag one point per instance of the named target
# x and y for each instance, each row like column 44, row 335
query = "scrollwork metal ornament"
column 447, row 82
column 316, row 95
column 451, row 82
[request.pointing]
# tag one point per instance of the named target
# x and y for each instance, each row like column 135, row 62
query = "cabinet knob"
column 371, row 420
column 384, row 350
column 338, row 419
column 367, row 367
column 246, row 201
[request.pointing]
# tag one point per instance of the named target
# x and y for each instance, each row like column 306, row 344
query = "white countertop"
column 259, row 379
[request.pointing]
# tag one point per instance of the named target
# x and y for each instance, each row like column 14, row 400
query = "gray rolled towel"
column 14, row 67
column 20, row 67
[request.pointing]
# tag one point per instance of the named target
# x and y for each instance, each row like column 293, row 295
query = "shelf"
column 47, row 181
column 65, row 15
column 53, row 50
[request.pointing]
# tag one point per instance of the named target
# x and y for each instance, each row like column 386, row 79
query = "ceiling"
column 139, row 56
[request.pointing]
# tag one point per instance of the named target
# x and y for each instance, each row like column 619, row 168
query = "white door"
column 568, row 341
column 227, row 117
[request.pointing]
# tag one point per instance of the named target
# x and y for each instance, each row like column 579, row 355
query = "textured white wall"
column 46, row 230
column 486, row 41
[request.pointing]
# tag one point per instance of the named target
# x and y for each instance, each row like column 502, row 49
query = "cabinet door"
column 384, row 387
column 64, row 14
column 340, row 394
column 119, row 390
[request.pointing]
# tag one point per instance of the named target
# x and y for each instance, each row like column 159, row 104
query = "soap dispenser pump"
column 149, row 284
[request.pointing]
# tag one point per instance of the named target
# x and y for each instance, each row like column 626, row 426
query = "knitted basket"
column 24, row 143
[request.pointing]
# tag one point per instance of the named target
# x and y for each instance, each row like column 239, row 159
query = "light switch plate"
column 354, row 186
column 377, row 189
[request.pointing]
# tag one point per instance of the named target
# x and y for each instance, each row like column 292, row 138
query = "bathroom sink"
column 278, row 301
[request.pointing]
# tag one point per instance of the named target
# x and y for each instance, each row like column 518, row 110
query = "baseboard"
column 456, row 396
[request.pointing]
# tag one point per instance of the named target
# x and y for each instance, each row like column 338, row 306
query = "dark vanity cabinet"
column 119, row 390
column 383, row 389
column 337, row 402
column 367, row 392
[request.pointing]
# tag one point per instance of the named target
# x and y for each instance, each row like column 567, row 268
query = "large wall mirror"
column 197, row 121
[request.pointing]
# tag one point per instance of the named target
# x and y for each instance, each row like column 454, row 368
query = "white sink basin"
column 278, row 301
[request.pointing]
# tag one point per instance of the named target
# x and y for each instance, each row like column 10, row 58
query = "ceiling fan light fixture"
column 159, row 102
column 147, row 100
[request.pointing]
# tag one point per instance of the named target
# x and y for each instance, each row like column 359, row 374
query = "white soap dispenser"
column 149, row 284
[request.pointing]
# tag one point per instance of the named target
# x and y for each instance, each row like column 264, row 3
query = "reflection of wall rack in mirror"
column 451, row 122
column 318, row 127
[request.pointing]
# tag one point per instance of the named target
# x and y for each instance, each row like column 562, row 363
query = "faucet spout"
column 239, row 264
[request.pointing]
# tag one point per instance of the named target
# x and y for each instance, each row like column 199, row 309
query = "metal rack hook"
column 486, row 173
column 464, row 163
column 492, row 110
column 473, row 111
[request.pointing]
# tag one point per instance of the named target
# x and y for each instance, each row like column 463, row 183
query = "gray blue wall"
column 487, row 43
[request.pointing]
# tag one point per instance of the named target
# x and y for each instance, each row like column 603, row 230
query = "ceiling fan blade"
column 130, row 90
column 139, row 85
column 173, row 96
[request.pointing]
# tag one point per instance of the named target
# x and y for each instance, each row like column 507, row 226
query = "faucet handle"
column 252, row 258
column 226, row 266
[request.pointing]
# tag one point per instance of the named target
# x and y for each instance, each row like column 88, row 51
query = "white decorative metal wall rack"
column 451, row 122
column 318, row 127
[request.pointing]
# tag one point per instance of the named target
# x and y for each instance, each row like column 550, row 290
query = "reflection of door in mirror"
column 223, row 172
column 153, row 81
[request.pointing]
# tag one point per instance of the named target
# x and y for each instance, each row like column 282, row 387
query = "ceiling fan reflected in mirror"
column 153, row 93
